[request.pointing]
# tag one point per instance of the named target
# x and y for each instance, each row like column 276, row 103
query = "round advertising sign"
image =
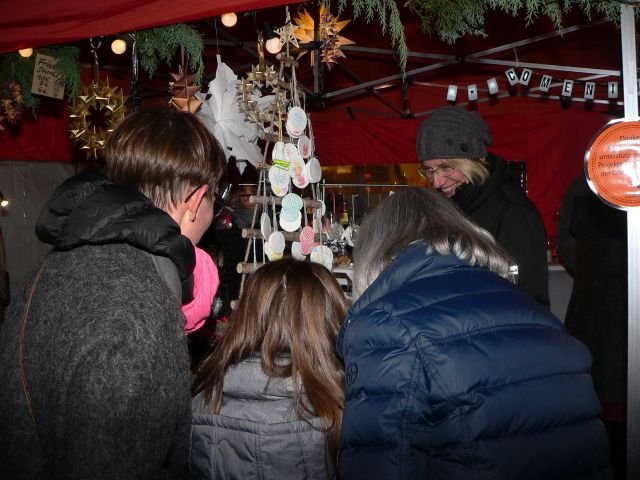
column 612, row 163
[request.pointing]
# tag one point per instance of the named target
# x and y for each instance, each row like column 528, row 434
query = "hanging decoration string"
column 134, row 93
column 94, row 53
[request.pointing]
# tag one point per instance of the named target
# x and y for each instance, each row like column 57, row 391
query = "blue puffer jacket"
column 453, row 373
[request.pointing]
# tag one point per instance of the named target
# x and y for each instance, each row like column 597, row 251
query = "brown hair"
column 164, row 152
column 293, row 308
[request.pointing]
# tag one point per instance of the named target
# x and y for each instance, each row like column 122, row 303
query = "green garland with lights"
column 154, row 45
column 452, row 19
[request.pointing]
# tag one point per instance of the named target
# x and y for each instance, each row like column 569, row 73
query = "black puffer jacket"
column 89, row 209
column 105, row 354
column 502, row 207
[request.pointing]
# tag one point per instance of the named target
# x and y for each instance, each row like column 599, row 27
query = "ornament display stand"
column 289, row 147
column 254, row 234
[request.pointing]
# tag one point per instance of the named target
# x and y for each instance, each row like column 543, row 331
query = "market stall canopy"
column 34, row 23
column 364, row 109
column 368, row 81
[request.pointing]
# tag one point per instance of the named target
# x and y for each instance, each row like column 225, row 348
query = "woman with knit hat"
column 452, row 149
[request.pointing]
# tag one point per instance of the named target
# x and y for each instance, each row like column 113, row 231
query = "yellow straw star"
column 287, row 35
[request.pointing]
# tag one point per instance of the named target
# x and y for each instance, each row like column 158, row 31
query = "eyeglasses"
column 220, row 199
column 443, row 170
column 192, row 194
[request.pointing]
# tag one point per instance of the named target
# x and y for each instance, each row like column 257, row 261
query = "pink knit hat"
column 205, row 286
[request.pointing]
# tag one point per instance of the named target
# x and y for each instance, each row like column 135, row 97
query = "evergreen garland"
column 164, row 42
column 13, row 67
column 388, row 16
column 448, row 19
column 153, row 45
column 68, row 67
column 452, row 19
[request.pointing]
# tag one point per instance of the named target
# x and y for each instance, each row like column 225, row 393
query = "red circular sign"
column 612, row 163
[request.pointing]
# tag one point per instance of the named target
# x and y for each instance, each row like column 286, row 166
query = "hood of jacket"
column 412, row 264
column 406, row 273
column 250, row 394
column 469, row 197
column 89, row 209
column 247, row 380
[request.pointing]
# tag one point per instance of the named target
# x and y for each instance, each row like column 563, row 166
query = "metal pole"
column 629, row 76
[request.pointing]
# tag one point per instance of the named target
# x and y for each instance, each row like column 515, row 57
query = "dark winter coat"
column 4, row 280
column 453, row 373
column 592, row 240
column 502, row 207
column 257, row 433
column 105, row 354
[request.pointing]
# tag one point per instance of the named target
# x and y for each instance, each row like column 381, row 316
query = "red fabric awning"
column 34, row 23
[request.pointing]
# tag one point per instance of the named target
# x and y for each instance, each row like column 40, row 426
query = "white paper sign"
column 45, row 78
column 589, row 90
column 567, row 88
column 525, row 76
column 545, row 83
column 472, row 92
column 492, row 83
column 512, row 76
column 452, row 93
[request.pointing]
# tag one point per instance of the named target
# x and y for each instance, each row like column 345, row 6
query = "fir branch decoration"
column 20, row 70
column 16, row 68
column 164, row 42
column 452, row 19
column 68, row 68
column 388, row 16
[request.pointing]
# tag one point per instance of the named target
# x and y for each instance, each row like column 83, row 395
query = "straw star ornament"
column 329, row 30
column 287, row 35
column 183, row 90
column 97, row 112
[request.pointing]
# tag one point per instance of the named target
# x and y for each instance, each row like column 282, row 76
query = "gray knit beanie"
column 453, row 132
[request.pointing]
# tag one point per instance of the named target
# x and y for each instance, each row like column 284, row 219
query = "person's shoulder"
column 515, row 200
column 116, row 276
column 515, row 194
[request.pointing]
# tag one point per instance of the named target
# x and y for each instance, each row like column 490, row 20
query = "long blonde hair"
column 293, row 308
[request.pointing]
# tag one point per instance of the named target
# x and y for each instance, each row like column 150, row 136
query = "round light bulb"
column 26, row 52
column 118, row 46
column 273, row 45
column 229, row 19
column 4, row 203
